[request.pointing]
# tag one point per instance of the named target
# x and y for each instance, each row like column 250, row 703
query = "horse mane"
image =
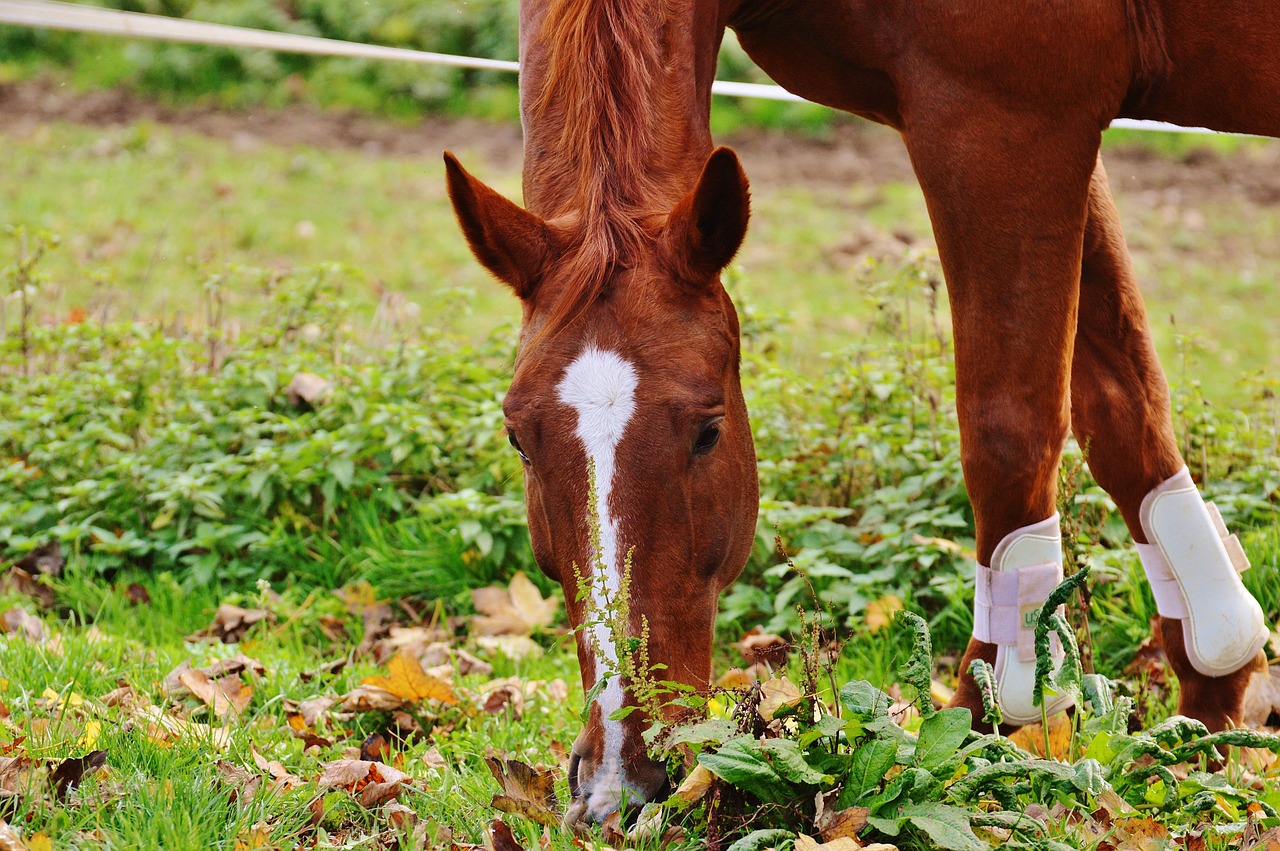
column 1146, row 26
column 603, row 83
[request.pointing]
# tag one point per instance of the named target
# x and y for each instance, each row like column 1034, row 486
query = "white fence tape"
column 50, row 14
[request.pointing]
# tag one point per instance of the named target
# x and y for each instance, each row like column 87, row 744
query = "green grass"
column 145, row 206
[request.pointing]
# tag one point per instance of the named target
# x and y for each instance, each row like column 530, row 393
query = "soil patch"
column 848, row 153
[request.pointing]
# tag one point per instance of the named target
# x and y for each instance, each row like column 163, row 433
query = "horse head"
column 626, row 410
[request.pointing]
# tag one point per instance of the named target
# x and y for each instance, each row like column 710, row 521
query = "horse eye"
column 515, row 444
column 707, row 438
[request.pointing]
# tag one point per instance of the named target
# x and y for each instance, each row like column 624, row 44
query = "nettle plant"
column 780, row 763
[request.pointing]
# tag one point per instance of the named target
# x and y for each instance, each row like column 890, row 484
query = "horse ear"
column 707, row 227
column 508, row 240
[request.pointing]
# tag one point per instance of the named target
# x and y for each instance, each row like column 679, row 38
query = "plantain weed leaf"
column 1097, row 693
column 789, row 761
column 864, row 700
column 867, row 768
column 757, row 840
column 941, row 735
column 712, row 730
column 947, row 827
column 1090, row 778
column 742, row 764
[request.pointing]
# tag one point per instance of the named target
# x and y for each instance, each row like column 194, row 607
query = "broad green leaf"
column 742, row 764
column 789, row 761
column 941, row 735
column 828, row 727
column 712, row 730
column 946, row 826
column 1090, row 777
column 759, row 839
column 342, row 469
column 863, row 699
column 866, row 769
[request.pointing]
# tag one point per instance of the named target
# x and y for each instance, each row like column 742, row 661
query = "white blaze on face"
column 600, row 386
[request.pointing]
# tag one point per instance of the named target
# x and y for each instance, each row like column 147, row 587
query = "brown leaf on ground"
column 137, row 595
column 15, row 774
column 416, row 641
column 1139, row 834
column 735, row 678
column 375, row 748
column 369, row 699
column 70, row 772
column 283, row 777
column 309, row 712
column 835, row 824
column 244, row 784
column 9, row 838
column 503, row 695
column 760, row 647
column 237, row 664
column 45, row 560
column 514, row 647
column 518, row 609
column 19, row 622
column 166, row 728
column 501, row 837
column 328, row 669
column 408, row 681
column 843, row 843
column 228, row 694
column 526, row 791
column 28, row 584
column 258, row 836
column 373, row 783
column 231, row 623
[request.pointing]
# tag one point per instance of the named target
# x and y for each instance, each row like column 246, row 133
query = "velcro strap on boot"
column 1005, row 605
column 1193, row 565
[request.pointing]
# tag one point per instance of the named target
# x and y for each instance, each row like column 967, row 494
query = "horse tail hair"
column 1146, row 28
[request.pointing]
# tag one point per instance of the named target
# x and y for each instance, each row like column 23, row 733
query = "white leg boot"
column 1025, row 567
column 1194, row 568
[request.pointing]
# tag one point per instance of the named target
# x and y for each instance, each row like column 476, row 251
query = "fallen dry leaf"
column 1031, row 738
column 502, row 695
column 514, row 647
column 258, row 836
column 760, row 647
column 409, row 682
column 526, row 791
column 137, row 595
column 777, row 693
column 231, row 623
column 70, row 772
column 223, row 695
column 880, row 612
column 808, row 843
column 308, row 389
column 695, row 786
column 283, row 777
column 166, row 728
column 20, row 622
column 518, row 609
column 501, row 838
column 1262, row 698
column 373, row 783
column 9, row 838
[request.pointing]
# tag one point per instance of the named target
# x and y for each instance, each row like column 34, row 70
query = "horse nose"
column 600, row 784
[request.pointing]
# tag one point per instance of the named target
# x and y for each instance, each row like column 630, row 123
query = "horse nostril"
column 574, row 759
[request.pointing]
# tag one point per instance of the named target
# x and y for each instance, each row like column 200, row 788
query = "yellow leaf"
column 695, row 786
column 880, row 612
column 4, row 684
column 529, row 603
column 407, row 680
column 1031, row 738
column 89, row 738
column 777, row 693
column 39, row 841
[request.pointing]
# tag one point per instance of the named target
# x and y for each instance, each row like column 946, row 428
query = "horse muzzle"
column 602, row 783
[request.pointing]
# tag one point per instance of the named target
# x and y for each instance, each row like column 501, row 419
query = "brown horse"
column 628, row 362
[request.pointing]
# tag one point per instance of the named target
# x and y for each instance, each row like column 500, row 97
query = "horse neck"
column 615, row 101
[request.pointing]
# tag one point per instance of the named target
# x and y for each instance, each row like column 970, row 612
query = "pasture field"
column 207, row 560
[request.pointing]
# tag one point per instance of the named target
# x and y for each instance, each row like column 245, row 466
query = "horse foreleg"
column 1120, row 414
column 1007, row 194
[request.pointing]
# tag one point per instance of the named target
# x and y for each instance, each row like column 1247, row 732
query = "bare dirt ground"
column 848, row 153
